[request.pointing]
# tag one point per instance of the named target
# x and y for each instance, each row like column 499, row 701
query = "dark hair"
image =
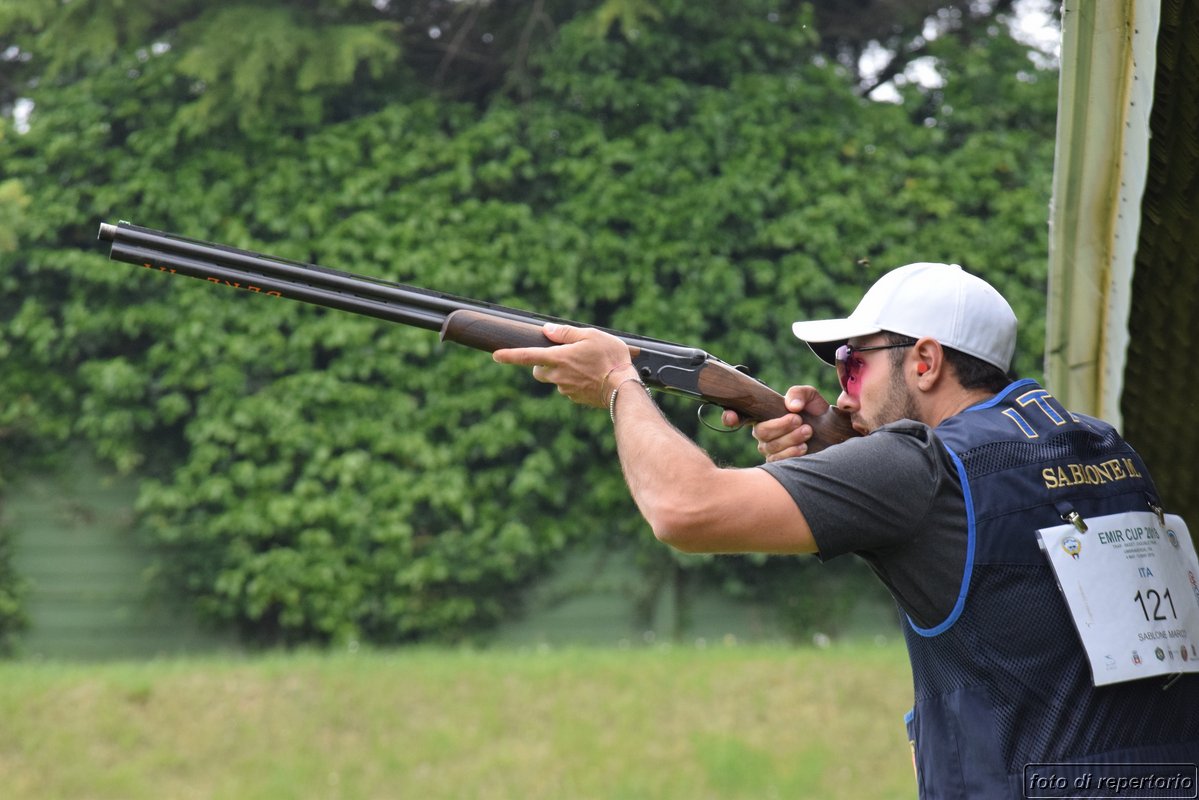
column 971, row 372
column 974, row 373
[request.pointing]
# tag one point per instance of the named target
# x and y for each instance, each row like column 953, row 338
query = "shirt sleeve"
column 894, row 499
column 869, row 494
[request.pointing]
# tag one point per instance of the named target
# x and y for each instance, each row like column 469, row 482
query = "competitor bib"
column 1132, row 585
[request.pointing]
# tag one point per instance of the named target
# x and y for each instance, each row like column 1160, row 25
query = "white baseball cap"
column 941, row 301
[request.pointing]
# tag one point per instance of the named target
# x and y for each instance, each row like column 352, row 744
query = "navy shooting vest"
column 1003, row 686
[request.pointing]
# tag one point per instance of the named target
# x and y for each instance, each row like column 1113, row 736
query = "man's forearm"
column 660, row 464
column 690, row 503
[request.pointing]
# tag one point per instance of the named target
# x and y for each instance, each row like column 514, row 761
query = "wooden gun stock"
column 730, row 388
column 696, row 374
column 488, row 332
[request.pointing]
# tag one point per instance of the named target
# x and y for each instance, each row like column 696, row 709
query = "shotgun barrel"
column 665, row 366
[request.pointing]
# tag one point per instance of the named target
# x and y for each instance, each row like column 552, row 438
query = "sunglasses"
column 850, row 368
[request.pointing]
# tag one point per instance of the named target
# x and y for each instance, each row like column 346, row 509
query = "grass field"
column 682, row 722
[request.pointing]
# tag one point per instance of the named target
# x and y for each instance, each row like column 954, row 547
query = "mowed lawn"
column 679, row 722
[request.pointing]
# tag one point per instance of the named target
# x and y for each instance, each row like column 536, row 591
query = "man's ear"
column 929, row 358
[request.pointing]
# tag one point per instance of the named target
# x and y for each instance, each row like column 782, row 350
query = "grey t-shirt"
column 894, row 498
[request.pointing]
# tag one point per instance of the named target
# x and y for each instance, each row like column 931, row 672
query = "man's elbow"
column 679, row 540
column 679, row 529
column 749, row 512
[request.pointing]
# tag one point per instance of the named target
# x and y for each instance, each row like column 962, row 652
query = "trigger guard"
column 699, row 414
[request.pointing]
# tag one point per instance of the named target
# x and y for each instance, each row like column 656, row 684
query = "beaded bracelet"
column 608, row 374
column 612, row 399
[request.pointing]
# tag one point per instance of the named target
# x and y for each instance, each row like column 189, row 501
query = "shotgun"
column 664, row 366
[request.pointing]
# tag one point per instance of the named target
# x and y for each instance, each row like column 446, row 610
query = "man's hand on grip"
column 786, row 436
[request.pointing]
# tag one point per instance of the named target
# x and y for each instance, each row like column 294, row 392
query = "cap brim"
column 824, row 336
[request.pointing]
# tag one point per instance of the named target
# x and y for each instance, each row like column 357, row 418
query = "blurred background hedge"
column 696, row 171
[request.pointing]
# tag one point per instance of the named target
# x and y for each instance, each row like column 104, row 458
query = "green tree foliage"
column 688, row 171
column 13, row 590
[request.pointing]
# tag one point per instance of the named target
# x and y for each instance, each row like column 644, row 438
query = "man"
column 942, row 496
